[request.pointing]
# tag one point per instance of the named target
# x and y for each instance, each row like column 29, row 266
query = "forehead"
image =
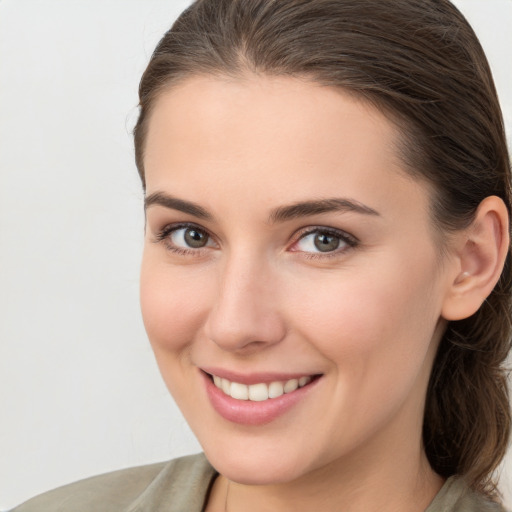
column 272, row 136
column 272, row 111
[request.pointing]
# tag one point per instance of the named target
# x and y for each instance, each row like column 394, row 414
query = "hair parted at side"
column 420, row 62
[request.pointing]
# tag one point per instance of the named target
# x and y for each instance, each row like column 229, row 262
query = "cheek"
column 172, row 303
column 373, row 325
column 376, row 336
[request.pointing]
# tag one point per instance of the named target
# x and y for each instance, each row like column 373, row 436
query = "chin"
column 244, row 467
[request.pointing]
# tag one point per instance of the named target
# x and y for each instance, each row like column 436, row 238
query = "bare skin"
column 363, row 313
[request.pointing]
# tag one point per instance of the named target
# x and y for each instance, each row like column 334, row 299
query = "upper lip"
column 256, row 377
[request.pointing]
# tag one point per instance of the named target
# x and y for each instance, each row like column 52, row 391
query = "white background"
column 80, row 393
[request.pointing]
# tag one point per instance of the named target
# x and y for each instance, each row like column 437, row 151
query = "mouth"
column 260, row 398
column 261, row 391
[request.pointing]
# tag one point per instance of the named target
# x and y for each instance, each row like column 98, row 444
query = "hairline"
column 405, row 129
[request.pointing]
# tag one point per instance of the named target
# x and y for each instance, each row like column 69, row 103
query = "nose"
column 245, row 316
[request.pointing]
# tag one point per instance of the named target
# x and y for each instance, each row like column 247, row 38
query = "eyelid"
column 345, row 237
column 162, row 236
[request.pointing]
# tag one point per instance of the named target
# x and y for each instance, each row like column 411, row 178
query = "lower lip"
column 247, row 412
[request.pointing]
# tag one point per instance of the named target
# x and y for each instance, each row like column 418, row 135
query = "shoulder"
column 166, row 485
column 456, row 496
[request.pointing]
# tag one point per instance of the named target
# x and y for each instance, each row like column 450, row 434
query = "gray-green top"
column 182, row 485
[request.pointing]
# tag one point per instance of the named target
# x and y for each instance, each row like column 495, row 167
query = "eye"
column 322, row 240
column 184, row 238
column 189, row 237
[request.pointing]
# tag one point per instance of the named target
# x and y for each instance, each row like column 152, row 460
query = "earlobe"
column 481, row 255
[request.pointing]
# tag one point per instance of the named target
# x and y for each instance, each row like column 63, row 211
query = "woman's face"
column 286, row 246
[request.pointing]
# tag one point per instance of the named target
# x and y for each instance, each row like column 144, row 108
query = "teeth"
column 275, row 389
column 259, row 392
column 239, row 391
column 303, row 381
column 225, row 385
column 291, row 385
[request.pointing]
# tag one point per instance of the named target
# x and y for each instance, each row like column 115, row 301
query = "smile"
column 256, row 398
column 261, row 391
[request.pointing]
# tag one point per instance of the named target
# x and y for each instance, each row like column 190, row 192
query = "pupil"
column 326, row 243
column 195, row 238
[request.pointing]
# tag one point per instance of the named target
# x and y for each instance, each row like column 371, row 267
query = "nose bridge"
column 244, row 312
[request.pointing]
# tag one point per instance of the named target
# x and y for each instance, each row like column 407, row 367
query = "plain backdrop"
column 80, row 393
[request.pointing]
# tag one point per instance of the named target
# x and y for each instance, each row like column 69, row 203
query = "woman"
column 326, row 279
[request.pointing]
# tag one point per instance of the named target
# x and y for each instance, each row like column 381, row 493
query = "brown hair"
column 420, row 62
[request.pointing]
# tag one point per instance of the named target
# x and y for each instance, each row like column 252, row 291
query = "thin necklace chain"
column 226, row 500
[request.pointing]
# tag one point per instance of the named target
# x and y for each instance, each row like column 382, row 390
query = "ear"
column 480, row 256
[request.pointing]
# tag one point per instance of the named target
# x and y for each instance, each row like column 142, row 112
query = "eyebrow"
column 315, row 207
column 177, row 204
column 279, row 214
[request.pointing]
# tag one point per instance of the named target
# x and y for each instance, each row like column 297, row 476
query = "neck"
column 332, row 489
column 388, row 473
column 393, row 476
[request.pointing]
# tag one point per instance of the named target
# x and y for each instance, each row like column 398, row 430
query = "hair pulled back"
column 420, row 62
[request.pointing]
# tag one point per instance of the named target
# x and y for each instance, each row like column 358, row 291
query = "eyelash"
column 163, row 237
column 350, row 240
